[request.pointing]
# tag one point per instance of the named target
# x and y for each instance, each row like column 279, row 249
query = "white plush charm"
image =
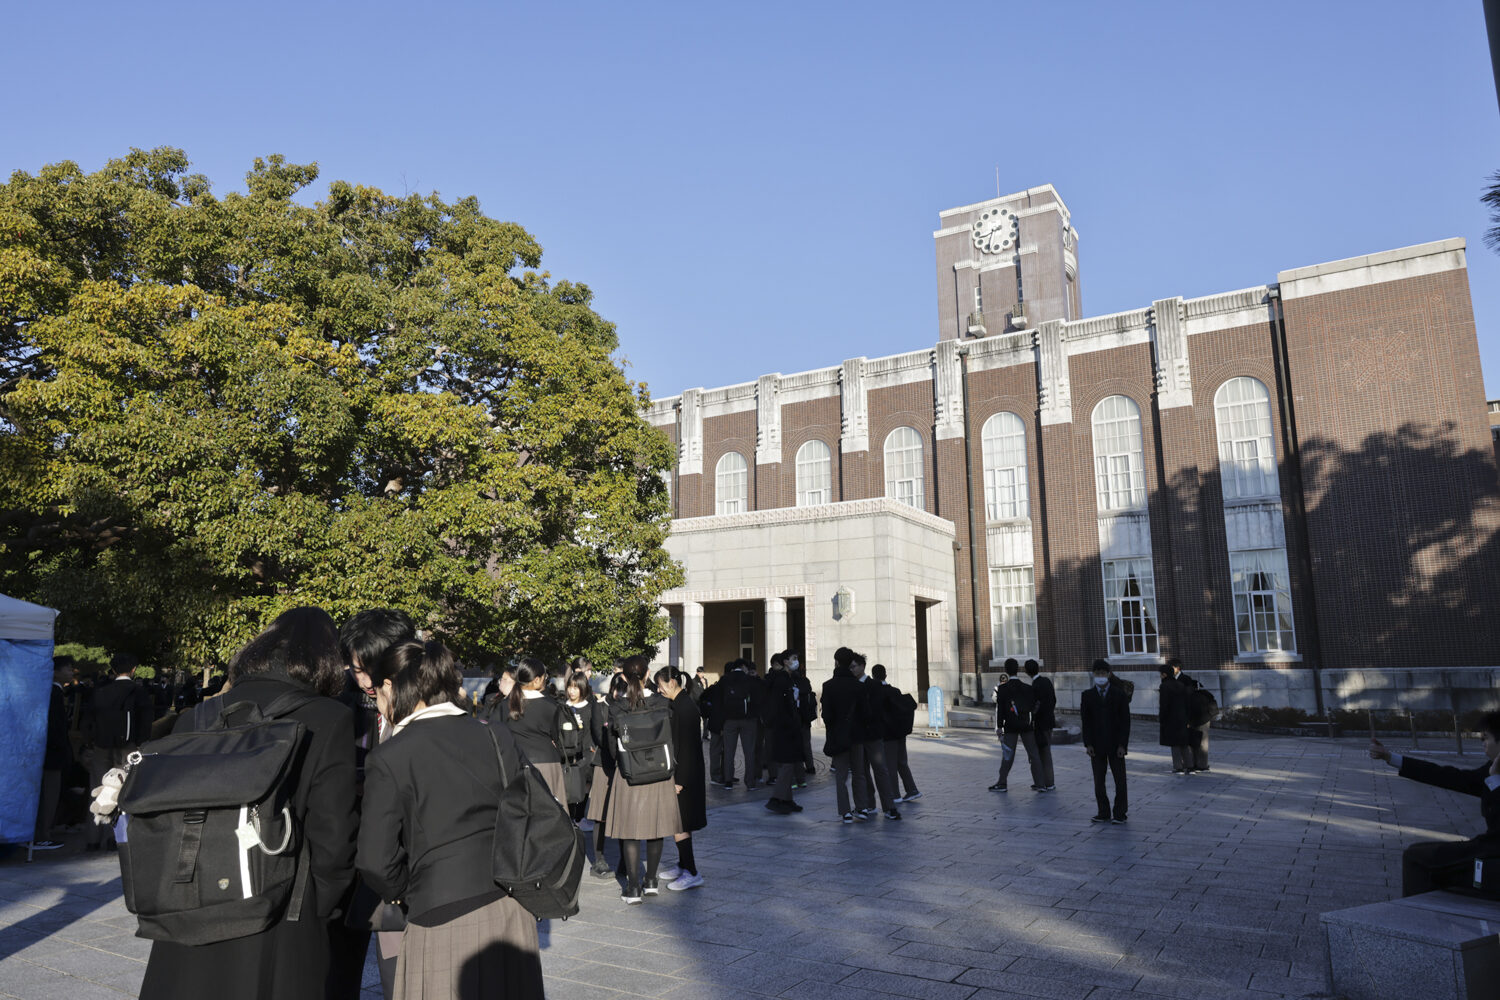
column 107, row 796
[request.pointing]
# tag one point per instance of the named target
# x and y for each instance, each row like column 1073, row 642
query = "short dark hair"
column 777, row 659
column 370, row 633
column 59, row 662
column 123, row 663
column 1489, row 722
column 301, row 644
column 1011, row 664
column 1032, row 668
column 731, row 665
column 1101, row 666
column 1174, row 662
column 843, row 655
column 878, row 671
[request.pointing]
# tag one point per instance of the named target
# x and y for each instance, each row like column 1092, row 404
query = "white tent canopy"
column 20, row 620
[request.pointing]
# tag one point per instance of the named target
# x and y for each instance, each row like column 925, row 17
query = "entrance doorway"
column 796, row 625
column 922, row 678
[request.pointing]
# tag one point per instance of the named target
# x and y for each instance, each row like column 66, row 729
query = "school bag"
column 538, row 852
column 1203, row 707
column 211, row 850
column 1020, row 709
column 643, row 745
column 570, row 738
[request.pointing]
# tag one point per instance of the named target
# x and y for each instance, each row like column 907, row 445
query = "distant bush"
column 1389, row 720
column 1278, row 718
column 87, row 659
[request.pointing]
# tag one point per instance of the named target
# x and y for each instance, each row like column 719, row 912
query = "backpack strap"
column 299, row 882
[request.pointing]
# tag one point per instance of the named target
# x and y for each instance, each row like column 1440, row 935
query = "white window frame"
column 747, row 636
column 1119, row 455
column 731, row 484
column 1247, row 449
column 1262, row 589
column 1003, row 444
column 1013, row 612
column 814, row 474
column 903, row 467
column 1130, row 617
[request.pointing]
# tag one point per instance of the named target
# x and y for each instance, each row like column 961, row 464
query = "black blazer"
column 431, row 795
column 536, row 731
column 1106, row 720
column 59, row 752
column 324, row 796
column 122, row 714
column 843, row 711
column 1046, row 703
column 1469, row 781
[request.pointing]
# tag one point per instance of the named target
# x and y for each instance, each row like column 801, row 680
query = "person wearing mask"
column 781, row 714
column 740, row 701
column 843, row 708
column 363, row 639
column 1045, row 722
column 688, row 777
column 1015, row 713
column 1447, row 864
column 535, row 720
column 807, row 706
column 1105, row 710
column 639, row 812
column 1172, row 716
column 900, row 715
column 298, row 653
column 877, row 777
column 121, row 713
column 432, row 793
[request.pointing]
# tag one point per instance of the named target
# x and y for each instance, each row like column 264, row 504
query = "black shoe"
column 808, row 768
column 651, row 886
column 1100, row 819
column 913, row 795
column 792, row 805
column 1119, row 819
column 601, row 869
column 778, row 806
column 892, row 814
column 631, row 894
column 998, row 787
column 751, row 786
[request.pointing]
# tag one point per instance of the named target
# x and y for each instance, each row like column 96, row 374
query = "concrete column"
column 775, row 628
column 692, row 636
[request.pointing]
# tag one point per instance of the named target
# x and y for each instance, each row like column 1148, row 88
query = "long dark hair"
column 527, row 670
column 634, row 668
column 302, row 645
column 419, row 672
column 580, row 680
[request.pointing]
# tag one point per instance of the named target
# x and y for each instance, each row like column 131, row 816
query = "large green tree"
column 213, row 409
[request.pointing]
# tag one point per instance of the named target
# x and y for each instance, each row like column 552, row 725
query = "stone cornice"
column 821, row 512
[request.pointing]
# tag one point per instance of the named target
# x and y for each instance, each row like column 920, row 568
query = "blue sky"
column 753, row 187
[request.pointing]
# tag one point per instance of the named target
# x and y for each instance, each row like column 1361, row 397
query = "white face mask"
column 1101, row 681
column 793, row 663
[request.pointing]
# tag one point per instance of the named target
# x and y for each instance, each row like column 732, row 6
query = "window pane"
column 1262, row 600
column 1003, row 444
column 731, row 484
column 903, row 466
column 814, row 474
column 1119, row 458
column 1247, row 455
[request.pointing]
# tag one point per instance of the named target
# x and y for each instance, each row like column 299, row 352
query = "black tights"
column 685, row 859
column 630, row 854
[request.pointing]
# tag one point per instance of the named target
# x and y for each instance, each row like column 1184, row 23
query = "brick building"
column 1291, row 486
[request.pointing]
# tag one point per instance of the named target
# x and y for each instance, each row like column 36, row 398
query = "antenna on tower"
column 997, row 180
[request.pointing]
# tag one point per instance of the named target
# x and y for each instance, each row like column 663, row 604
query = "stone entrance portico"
column 873, row 575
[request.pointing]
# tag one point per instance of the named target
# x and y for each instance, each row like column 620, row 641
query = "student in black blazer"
column 1105, row 708
column 535, row 719
column 1442, row 864
column 1046, row 721
column 426, row 839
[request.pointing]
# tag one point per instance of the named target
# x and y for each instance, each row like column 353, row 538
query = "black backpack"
column 1203, row 708
column 643, row 745
column 570, row 738
column 211, row 850
column 1021, row 712
column 738, row 695
column 538, row 852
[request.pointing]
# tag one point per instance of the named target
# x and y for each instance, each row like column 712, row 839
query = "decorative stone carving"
column 948, row 390
column 690, row 448
column 1054, row 389
column 1174, row 384
column 767, row 420
column 855, row 434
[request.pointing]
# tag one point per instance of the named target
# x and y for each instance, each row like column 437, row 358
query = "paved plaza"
column 1212, row 889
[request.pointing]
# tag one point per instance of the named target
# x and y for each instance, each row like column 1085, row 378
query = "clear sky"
column 753, row 187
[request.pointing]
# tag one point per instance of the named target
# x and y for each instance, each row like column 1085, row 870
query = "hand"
column 1120, row 753
column 1378, row 750
column 1090, row 751
column 679, row 789
column 1495, row 765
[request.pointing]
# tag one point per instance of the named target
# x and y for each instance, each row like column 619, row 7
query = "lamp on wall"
column 843, row 603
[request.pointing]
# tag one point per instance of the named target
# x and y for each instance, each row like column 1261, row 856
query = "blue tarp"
column 25, row 686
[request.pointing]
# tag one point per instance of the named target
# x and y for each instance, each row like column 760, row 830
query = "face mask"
column 794, row 664
column 1101, row 681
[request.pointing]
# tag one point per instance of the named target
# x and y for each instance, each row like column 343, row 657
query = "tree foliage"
column 214, row 409
column 1491, row 200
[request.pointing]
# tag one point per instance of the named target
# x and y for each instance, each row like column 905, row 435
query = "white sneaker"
column 687, row 880
column 668, row 873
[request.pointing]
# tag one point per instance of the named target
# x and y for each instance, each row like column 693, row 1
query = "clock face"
column 996, row 231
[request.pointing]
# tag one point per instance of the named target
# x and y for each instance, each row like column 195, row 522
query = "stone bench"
column 1436, row 946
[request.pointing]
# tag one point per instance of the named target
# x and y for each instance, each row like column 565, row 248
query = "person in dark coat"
column 711, row 707
column 1045, row 722
column 877, row 777
column 535, row 719
column 843, row 707
column 299, row 652
column 120, row 717
column 1015, row 722
column 1172, row 714
column 807, row 703
column 1445, row 864
column 605, row 768
column 692, row 794
column 578, row 764
column 781, row 719
column 1105, row 710
column 738, row 704
column 900, row 712
column 640, row 812
column 57, row 756
column 1200, row 716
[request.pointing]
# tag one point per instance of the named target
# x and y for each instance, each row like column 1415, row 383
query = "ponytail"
column 527, row 670
column 634, row 669
column 420, row 673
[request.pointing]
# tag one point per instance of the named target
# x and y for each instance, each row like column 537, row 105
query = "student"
column 876, row 777
column 1172, row 717
column 535, row 720
column 1015, row 714
column 297, row 653
column 692, row 795
column 427, row 835
column 1445, row 864
column 781, row 713
column 1200, row 715
column 1105, row 708
column 639, row 812
column 711, row 707
column 843, row 707
column 604, row 773
column 808, row 706
column 577, row 728
column 58, row 755
column 900, row 715
column 739, row 705
column 120, row 716
column 1044, row 723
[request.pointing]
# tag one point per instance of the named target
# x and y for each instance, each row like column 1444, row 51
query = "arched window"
column 1247, row 457
column 731, row 485
column 1119, row 461
column 1004, row 445
column 814, row 474
column 903, row 466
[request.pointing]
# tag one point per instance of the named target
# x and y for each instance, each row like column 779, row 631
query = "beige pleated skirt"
column 552, row 773
column 642, row 812
column 490, row 952
column 598, row 795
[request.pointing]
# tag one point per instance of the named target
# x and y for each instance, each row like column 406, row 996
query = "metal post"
column 1370, row 718
column 1411, row 722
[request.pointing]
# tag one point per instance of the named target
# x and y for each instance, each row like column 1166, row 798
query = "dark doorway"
column 796, row 625
column 922, row 680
